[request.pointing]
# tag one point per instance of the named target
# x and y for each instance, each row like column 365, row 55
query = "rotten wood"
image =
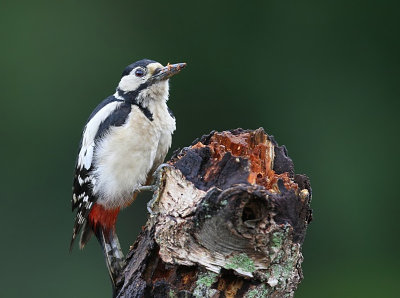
column 228, row 220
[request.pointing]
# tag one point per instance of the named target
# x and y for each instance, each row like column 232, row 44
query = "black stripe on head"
column 143, row 63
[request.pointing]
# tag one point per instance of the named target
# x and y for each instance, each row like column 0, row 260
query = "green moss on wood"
column 206, row 279
column 204, row 283
column 277, row 240
column 258, row 292
column 171, row 294
column 242, row 262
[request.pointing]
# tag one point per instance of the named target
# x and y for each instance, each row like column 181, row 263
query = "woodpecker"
column 125, row 139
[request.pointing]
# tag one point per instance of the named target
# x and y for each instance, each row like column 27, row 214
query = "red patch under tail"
column 106, row 218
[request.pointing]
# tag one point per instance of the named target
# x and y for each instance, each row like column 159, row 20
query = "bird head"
column 147, row 79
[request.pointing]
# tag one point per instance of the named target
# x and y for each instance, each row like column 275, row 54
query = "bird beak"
column 164, row 73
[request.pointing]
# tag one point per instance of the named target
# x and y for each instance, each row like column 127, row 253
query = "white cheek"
column 130, row 83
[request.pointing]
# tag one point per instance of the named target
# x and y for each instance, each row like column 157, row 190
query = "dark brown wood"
column 228, row 220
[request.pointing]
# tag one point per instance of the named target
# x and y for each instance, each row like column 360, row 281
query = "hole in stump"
column 252, row 210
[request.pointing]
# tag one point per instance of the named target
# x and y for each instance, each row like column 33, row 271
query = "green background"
column 321, row 76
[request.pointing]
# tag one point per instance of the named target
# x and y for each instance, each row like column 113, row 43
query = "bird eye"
column 139, row 72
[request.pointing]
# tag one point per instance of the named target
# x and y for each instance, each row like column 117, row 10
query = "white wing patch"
column 85, row 157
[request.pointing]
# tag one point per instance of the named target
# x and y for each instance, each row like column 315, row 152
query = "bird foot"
column 157, row 181
column 152, row 187
column 157, row 178
column 157, row 173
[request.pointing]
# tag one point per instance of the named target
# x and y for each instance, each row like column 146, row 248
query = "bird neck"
column 128, row 96
column 131, row 97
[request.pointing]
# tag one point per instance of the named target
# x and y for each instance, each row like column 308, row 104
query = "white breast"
column 126, row 155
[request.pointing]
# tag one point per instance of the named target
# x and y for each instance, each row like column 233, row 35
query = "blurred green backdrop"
column 321, row 76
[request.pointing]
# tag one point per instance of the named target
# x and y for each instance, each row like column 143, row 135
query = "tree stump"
column 228, row 220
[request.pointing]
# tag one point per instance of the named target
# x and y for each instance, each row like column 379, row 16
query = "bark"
column 228, row 220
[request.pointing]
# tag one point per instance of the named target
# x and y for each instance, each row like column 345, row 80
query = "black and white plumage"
column 125, row 139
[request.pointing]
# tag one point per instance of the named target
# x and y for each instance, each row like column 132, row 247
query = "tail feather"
column 86, row 234
column 101, row 222
column 113, row 255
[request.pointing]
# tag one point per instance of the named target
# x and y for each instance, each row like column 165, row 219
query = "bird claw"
column 150, row 205
column 152, row 187
column 157, row 173
column 157, row 181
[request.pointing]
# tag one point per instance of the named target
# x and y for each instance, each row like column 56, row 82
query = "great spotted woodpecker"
column 125, row 139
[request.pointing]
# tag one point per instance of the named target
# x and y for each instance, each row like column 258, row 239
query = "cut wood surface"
column 228, row 220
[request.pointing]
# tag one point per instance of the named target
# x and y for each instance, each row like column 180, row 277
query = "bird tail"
column 112, row 253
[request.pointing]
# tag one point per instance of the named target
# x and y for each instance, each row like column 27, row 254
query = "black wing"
column 83, row 197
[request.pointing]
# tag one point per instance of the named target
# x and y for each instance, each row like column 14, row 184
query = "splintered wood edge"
column 254, row 147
